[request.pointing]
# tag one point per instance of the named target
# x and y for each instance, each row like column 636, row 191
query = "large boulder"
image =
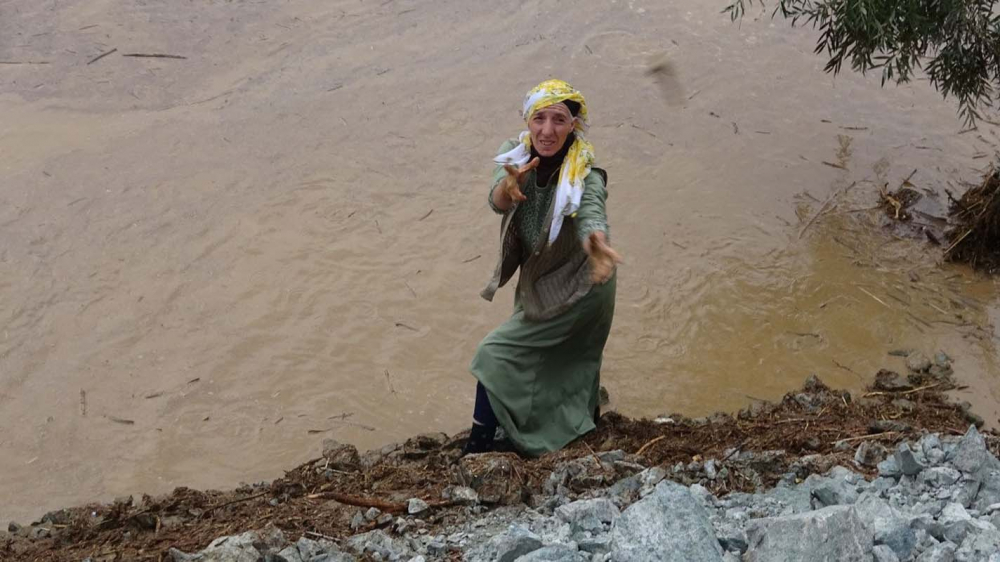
column 888, row 526
column 668, row 525
column 831, row 534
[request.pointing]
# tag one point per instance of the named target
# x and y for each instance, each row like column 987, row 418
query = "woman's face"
column 549, row 128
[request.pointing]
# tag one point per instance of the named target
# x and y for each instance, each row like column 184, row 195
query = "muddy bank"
column 807, row 432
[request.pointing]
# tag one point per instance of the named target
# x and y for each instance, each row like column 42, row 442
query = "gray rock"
column 989, row 491
column 376, row 542
column 13, row 527
column 418, row 559
column 595, row 545
column 941, row 359
column 907, row 461
column 554, row 553
column 940, row 476
column 833, row 491
column 979, row 546
column 970, row 454
column 372, row 513
column 888, row 526
column 341, row 456
column 889, row 468
column 944, row 552
column 461, row 495
column 593, row 515
column 890, row 381
column 883, row 553
column 510, row 545
column 309, row 549
column 831, row 534
column 236, row 548
column 918, row 363
column 956, row 522
column 668, row 525
column 941, row 373
column 416, row 505
column 904, row 404
column 930, row 442
column 357, row 521
column 869, row 454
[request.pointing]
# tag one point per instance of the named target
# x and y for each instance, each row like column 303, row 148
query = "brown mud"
column 808, row 431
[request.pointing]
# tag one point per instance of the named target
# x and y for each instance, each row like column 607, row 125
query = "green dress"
column 543, row 377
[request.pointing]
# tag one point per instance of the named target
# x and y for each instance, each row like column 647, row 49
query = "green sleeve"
column 499, row 173
column 591, row 216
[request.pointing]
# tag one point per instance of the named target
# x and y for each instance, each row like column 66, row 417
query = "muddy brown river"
column 209, row 264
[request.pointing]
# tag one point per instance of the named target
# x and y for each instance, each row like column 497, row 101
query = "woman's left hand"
column 603, row 258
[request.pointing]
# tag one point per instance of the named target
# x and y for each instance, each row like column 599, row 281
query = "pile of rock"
column 934, row 500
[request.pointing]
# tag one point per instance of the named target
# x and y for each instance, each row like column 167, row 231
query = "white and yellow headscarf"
column 578, row 160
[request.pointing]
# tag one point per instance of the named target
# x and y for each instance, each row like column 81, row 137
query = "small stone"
column 461, row 495
column 941, row 373
column 384, row 519
column 883, row 553
column 39, row 533
column 944, row 552
column 941, row 359
column 710, row 472
column 918, row 363
column 341, row 456
column 930, row 441
column 940, row 476
column 890, row 381
column 416, row 505
column 372, row 513
column 869, row 454
column 604, row 397
column 13, row 527
column 357, row 521
column 889, row 468
column 908, row 463
column 904, row 404
column 513, row 544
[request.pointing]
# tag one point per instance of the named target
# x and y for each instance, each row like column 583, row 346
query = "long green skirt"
column 543, row 378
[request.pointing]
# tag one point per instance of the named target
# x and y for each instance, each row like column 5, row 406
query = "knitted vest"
column 553, row 277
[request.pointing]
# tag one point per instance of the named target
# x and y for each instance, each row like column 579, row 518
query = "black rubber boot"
column 480, row 439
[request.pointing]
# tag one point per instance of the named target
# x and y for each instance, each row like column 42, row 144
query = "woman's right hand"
column 511, row 185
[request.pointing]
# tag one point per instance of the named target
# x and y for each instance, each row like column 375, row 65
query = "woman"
column 539, row 372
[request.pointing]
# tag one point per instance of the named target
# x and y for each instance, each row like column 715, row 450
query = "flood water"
column 210, row 264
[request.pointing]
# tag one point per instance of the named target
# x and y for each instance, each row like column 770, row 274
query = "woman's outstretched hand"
column 512, row 184
column 603, row 258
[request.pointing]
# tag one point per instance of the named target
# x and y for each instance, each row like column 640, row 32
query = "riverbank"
column 421, row 488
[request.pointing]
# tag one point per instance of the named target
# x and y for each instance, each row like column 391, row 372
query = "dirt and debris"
column 975, row 237
column 808, row 431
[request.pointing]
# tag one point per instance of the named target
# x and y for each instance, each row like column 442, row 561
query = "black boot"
column 480, row 439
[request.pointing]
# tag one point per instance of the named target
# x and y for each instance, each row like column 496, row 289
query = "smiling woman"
column 539, row 372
